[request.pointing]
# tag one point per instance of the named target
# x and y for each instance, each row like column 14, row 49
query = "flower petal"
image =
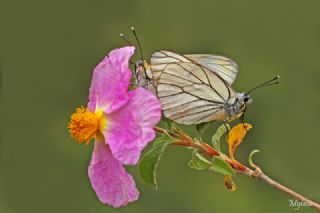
column 110, row 81
column 112, row 184
column 120, row 58
column 131, row 128
column 145, row 107
column 121, row 133
column 129, row 153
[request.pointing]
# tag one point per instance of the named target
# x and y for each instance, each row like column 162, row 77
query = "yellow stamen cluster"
column 84, row 125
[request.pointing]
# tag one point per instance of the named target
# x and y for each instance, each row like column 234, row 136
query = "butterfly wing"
column 160, row 59
column 189, row 93
column 223, row 66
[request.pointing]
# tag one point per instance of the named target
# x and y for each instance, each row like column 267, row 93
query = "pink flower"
column 121, row 122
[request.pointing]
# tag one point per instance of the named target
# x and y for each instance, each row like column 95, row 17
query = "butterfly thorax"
column 236, row 109
column 142, row 73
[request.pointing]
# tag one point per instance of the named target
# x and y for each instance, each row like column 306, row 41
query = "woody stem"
column 209, row 151
column 281, row 187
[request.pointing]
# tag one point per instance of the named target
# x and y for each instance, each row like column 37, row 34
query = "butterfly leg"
column 227, row 128
column 242, row 118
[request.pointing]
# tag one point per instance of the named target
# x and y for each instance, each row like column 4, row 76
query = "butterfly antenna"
column 128, row 42
column 273, row 81
column 135, row 35
column 124, row 38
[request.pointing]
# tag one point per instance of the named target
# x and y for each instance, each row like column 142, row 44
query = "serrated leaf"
column 198, row 162
column 217, row 136
column 219, row 165
column 149, row 162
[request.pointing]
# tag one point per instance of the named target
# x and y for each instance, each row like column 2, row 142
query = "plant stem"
column 238, row 167
column 281, row 187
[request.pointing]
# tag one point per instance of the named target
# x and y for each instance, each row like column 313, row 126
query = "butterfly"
column 196, row 88
column 142, row 72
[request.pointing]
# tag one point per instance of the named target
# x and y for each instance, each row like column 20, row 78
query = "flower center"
column 85, row 125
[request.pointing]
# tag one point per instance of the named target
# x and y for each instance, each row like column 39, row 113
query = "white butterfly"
column 194, row 89
column 142, row 71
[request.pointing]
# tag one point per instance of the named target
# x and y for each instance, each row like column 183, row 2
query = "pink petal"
column 121, row 133
column 131, row 128
column 145, row 107
column 112, row 184
column 110, row 81
column 120, row 58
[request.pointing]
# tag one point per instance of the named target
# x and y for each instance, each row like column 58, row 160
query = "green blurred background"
column 48, row 52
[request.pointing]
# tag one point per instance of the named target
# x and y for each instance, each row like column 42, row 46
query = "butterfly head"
column 246, row 99
column 242, row 101
column 140, row 64
column 141, row 68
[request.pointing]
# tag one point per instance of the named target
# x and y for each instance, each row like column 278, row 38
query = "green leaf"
column 250, row 157
column 149, row 162
column 167, row 122
column 174, row 127
column 219, row 165
column 201, row 128
column 217, row 136
column 198, row 162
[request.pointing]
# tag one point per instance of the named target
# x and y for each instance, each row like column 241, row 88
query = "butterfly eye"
column 140, row 63
column 246, row 99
